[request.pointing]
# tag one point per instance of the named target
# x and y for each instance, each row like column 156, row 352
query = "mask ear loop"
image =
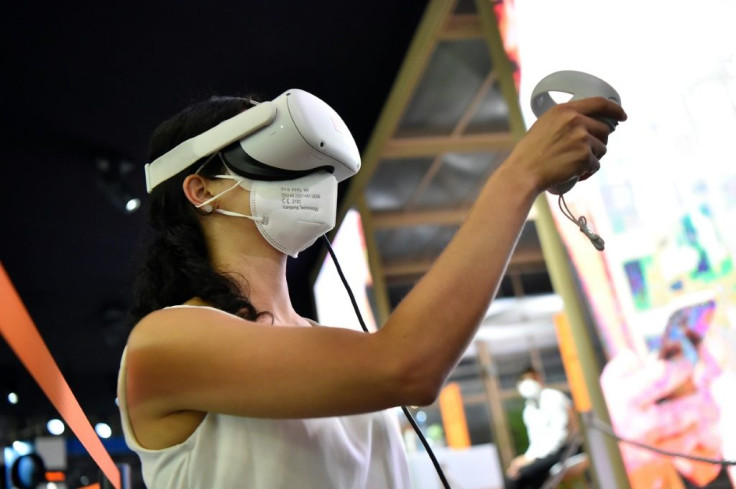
column 205, row 206
column 209, row 158
column 582, row 223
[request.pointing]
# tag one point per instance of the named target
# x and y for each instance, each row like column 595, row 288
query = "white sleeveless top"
column 350, row 452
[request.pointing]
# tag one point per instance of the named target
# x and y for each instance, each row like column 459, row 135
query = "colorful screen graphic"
column 663, row 294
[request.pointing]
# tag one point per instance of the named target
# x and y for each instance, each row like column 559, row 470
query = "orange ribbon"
column 18, row 329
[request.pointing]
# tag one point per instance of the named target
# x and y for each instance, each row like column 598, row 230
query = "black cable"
column 406, row 412
column 591, row 420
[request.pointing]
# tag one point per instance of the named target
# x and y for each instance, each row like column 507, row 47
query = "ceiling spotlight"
column 112, row 182
column 22, row 447
column 421, row 416
column 132, row 205
column 13, row 398
column 103, row 430
column 55, row 426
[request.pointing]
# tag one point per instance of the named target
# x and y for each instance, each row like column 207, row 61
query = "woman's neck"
column 238, row 250
column 263, row 280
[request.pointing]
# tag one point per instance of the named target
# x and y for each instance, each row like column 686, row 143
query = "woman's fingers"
column 587, row 114
column 568, row 141
column 597, row 128
column 599, row 107
column 596, row 110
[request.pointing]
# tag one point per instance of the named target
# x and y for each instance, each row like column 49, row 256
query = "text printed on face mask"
column 292, row 197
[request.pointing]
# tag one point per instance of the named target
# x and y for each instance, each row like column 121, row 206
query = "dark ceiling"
column 89, row 81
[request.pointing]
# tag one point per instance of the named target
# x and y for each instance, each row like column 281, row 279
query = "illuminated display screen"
column 663, row 294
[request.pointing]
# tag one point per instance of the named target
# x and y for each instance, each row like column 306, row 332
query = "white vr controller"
column 580, row 85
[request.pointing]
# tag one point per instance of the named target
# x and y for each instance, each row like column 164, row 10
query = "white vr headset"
column 291, row 136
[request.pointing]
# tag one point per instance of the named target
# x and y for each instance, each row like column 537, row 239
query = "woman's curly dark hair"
column 176, row 266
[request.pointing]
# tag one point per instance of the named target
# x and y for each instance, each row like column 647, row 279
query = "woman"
column 232, row 388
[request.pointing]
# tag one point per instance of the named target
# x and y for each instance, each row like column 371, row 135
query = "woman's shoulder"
column 177, row 320
column 196, row 306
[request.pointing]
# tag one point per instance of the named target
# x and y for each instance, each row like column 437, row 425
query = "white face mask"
column 529, row 389
column 290, row 214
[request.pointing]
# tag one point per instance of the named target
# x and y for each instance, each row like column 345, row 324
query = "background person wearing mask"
column 548, row 425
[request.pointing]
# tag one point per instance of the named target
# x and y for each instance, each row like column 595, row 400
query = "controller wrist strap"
column 582, row 223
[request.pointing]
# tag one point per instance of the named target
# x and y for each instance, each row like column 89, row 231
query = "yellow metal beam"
column 461, row 26
column 380, row 291
column 440, row 217
column 501, row 66
column 415, row 62
column 522, row 260
column 556, row 259
column 492, row 387
column 472, row 107
column 408, row 147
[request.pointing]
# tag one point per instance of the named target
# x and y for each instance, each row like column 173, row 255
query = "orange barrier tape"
column 572, row 365
column 55, row 476
column 453, row 416
column 17, row 327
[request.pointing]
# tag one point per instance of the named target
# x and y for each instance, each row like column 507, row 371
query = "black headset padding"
column 240, row 162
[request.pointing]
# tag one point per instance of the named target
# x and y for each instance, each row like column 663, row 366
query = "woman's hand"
column 567, row 141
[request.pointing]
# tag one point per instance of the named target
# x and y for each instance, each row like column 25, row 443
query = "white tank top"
column 350, row 452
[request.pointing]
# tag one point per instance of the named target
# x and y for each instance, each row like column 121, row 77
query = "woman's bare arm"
column 205, row 360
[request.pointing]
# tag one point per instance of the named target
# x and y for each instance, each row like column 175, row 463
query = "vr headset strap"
column 209, row 142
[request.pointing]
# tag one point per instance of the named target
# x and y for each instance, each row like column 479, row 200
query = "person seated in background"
column 549, row 424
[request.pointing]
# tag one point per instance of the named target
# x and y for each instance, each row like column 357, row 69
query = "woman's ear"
column 196, row 189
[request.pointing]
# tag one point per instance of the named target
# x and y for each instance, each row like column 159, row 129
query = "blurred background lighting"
column 132, row 205
column 22, row 448
column 103, row 430
column 112, row 181
column 55, row 426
